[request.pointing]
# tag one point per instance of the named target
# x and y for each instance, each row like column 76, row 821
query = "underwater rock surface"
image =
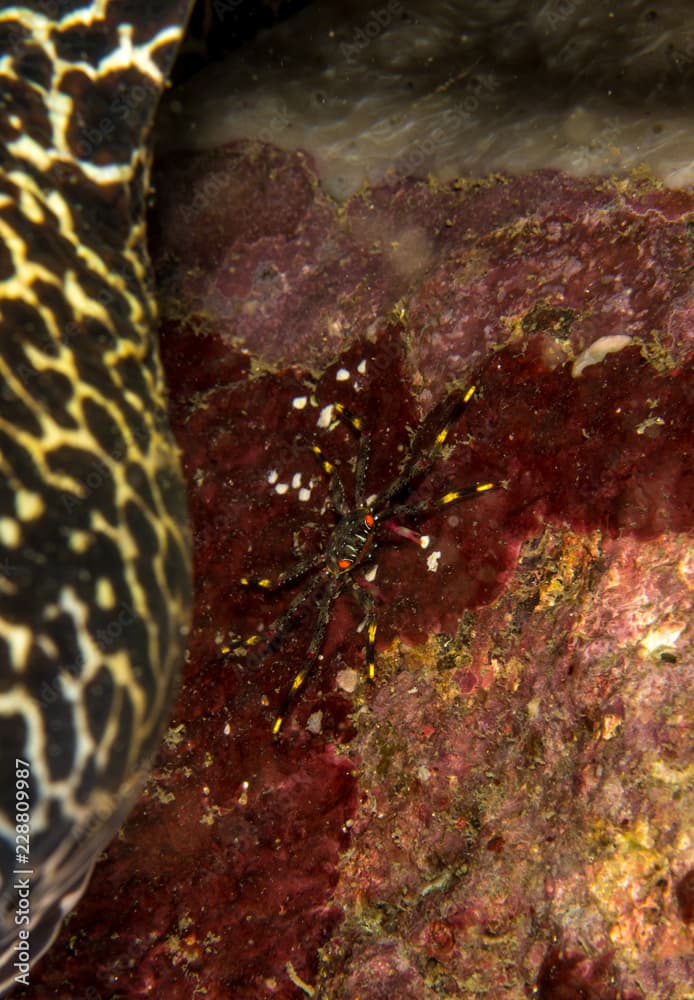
column 289, row 275
column 508, row 808
column 456, row 89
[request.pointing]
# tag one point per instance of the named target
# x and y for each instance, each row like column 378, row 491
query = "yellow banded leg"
column 281, row 625
column 469, row 491
column 423, row 457
column 368, row 605
column 363, row 454
column 325, row 603
column 453, row 496
column 338, row 496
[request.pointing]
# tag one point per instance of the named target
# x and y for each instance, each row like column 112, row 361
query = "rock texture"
column 507, row 810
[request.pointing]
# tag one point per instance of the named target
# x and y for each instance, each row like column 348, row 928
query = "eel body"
column 94, row 546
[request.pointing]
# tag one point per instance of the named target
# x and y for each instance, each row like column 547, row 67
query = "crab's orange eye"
column 369, row 520
column 344, row 563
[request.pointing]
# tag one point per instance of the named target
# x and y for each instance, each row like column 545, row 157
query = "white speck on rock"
column 433, row 561
column 347, row 680
column 325, row 417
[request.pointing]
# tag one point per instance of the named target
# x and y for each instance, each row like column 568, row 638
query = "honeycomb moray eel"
column 94, row 548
